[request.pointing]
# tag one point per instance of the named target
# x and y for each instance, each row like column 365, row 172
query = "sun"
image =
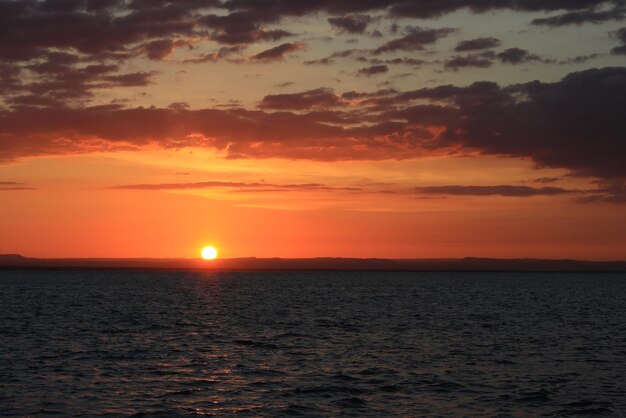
column 209, row 253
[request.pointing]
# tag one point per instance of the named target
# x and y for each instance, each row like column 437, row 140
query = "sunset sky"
column 306, row 128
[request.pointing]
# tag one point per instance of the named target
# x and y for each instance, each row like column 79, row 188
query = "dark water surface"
column 312, row 344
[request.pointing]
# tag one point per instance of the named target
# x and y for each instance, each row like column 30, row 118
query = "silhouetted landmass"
column 14, row 261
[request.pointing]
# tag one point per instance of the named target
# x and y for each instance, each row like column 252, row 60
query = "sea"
column 379, row 344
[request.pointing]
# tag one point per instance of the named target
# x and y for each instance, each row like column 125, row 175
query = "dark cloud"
column 415, row 40
column 319, row 98
column 220, row 54
column 374, row 101
column 179, row 106
column 581, row 17
column 400, row 61
column 517, row 56
column 242, row 27
column 278, row 53
column 60, row 78
column 547, row 180
column 130, row 80
column 429, row 9
column 478, row 61
column 351, row 24
column 32, row 27
column 9, row 78
column 477, row 44
column 413, row 62
column 358, row 95
column 610, row 191
column 373, row 70
column 344, row 54
column 514, row 56
column 348, row 53
column 34, row 131
column 499, row 190
column 321, row 61
column 111, row 29
column 619, row 50
column 621, row 35
column 579, row 59
column 163, row 48
column 576, row 124
column 406, row 8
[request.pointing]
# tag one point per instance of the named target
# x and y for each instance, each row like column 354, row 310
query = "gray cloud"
column 373, row 70
column 477, row 44
column 499, row 190
column 354, row 24
column 278, row 53
column 416, row 39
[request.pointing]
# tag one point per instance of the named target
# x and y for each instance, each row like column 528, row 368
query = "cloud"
column 278, row 53
column 242, row 27
column 477, row 44
column 610, row 191
column 163, row 48
column 354, row 24
column 30, row 28
column 238, row 185
column 14, row 186
column 110, row 29
column 619, row 50
column 130, row 79
column 400, row 61
column 547, row 180
column 58, row 78
column 284, row 84
column 356, row 95
column 321, row 61
column 513, row 56
column 220, row 54
column 416, row 39
column 499, row 190
column 348, row 53
column 575, row 124
column 373, row 70
column 237, row 132
column 318, row 98
column 477, row 61
column 579, row 59
column 621, row 35
column 581, row 17
column 430, row 9
column 517, row 56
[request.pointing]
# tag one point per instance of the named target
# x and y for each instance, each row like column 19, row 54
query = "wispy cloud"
column 237, row 185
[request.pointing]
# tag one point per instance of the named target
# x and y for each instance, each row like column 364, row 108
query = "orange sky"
column 85, row 217
column 352, row 129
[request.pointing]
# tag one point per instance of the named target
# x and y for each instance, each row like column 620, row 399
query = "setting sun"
column 209, row 253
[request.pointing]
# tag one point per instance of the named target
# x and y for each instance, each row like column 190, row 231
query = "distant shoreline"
column 18, row 262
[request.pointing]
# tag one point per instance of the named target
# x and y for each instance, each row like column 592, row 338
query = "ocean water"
column 312, row 344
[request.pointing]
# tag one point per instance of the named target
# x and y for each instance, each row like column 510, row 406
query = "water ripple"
column 312, row 344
